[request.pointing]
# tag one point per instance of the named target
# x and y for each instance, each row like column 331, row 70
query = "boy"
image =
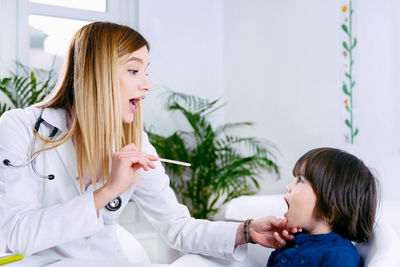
column 333, row 198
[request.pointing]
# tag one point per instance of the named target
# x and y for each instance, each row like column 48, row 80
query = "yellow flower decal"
column 344, row 9
column 346, row 101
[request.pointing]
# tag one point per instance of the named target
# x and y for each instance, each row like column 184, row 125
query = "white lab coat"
column 43, row 217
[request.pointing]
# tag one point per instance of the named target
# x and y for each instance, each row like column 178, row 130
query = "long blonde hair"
column 89, row 93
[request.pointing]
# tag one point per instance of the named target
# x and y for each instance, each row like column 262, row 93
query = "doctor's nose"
column 146, row 86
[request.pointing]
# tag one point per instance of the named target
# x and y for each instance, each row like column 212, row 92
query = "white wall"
column 379, row 100
column 283, row 70
column 8, row 37
column 186, row 53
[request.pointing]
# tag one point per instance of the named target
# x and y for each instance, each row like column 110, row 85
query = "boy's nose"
column 289, row 187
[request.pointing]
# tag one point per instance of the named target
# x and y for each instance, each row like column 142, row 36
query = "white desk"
column 41, row 261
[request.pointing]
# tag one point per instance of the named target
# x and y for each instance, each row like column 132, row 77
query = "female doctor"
column 70, row 165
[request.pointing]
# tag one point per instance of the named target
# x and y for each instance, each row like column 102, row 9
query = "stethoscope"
column 111, row 206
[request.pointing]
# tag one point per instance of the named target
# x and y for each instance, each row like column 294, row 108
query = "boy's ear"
column 319, row 215
column 332, row 217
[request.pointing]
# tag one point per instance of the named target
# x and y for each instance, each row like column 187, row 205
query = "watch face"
column 114, row 204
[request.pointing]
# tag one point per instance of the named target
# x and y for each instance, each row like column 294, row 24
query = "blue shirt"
column 316, row 250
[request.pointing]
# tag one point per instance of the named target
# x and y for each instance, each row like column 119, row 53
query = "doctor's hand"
column 268, row 232
column 124, row 165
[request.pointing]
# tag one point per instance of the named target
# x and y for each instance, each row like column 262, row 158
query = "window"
column 47, row 26
column 47, row 43
column 94, row 5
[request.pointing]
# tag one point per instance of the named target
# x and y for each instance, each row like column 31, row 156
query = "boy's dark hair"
column 346, row 191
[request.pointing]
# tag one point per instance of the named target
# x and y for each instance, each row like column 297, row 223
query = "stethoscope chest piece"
column 115, row 204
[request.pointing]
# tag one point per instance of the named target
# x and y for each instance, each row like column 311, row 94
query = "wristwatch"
column 246, row 231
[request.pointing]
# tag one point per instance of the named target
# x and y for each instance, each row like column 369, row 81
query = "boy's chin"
column 291, row 224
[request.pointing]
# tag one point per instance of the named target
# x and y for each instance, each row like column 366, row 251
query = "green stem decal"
column 349, row 82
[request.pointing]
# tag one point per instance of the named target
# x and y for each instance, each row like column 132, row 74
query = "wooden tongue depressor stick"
column 175, row 162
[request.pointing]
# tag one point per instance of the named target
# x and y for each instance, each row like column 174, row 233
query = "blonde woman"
column 70, row 165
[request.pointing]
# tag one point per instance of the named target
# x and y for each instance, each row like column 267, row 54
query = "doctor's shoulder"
column 147, row 147
column 18, row 124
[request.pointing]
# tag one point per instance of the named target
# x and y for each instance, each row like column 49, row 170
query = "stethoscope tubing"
column 31, row 161
column 113, row 205
column 9, row 164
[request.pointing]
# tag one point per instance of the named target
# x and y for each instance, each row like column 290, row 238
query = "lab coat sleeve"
column 25, row 224
column 157, row 201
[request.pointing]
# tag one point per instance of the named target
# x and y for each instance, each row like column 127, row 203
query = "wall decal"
column 349, row 43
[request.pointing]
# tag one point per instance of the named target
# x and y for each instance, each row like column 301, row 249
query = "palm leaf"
column 26, row 87
column 223, row 166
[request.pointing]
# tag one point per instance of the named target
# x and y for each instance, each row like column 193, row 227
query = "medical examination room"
column 207, row 133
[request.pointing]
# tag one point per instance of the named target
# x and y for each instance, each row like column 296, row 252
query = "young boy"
column 333, row 198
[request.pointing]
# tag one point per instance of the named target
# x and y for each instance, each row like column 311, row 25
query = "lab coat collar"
column 56, row 117
column 66, row 151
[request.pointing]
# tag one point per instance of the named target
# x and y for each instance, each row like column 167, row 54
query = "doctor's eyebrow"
column 137, row 59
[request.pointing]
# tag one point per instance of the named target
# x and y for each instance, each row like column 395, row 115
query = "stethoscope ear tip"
column 6, row 162
column 50, row 177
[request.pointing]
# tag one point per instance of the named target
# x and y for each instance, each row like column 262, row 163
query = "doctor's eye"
column 133, row 71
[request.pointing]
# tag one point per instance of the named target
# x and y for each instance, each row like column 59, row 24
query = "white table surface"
column 41, row 261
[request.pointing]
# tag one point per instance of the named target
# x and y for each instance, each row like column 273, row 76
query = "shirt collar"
column 56, row 117
column 303, row 238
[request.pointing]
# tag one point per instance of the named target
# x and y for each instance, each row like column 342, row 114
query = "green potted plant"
column 224, row 166
column 25, row 87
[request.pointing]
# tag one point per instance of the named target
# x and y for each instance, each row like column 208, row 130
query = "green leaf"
column 348, row 123
column 344, row 28
column 21, row 88
column 4, row 108
column 9, row 95
column 345, row 90
column 348, row 75
column 355, row 132
column 354, row 43
column 346, row 46
column 5, row 81
column 353, row 84
column 348, row 109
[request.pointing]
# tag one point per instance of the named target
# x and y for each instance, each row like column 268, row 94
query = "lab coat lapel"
column 66, row 152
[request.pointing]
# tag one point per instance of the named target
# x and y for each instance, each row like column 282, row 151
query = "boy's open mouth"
column 288, row 206
column 287, row 203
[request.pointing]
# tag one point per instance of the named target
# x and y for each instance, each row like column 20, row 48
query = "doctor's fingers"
column 129, row 147
column 279, row 240
column 136, row 160
column 136, row 153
